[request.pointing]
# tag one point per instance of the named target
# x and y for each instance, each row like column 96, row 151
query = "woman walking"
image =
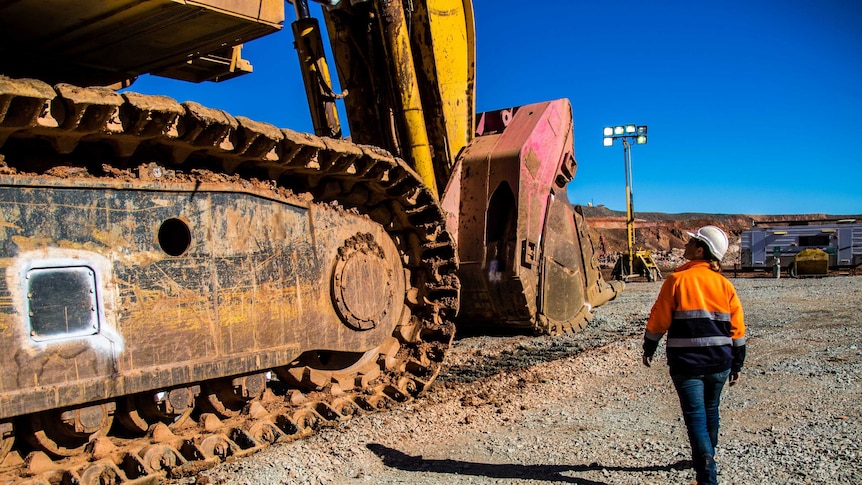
column 699, row 310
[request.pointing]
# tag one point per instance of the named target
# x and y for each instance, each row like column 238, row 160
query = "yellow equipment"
column 641, row 264
column 182, row 286
column 810, row 261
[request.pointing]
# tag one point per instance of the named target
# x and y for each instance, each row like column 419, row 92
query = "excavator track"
column 83, row 139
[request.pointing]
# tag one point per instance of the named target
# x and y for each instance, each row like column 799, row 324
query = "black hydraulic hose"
column 301, row 7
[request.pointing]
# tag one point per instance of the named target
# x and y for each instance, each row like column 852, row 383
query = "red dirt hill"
column 665, row 234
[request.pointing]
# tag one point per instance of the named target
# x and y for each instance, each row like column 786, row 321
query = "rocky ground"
column 582, row 408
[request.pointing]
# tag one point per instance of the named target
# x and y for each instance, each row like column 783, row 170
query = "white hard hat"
column 714, row 238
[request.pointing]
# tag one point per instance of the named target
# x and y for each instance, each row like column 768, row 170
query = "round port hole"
column 175, row 237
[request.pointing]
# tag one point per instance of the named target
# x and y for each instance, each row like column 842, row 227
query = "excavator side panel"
column 116, row 290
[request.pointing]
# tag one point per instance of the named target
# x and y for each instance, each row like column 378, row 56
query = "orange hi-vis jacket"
column 699, row 310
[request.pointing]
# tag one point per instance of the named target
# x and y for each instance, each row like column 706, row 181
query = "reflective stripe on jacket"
column 699, row 310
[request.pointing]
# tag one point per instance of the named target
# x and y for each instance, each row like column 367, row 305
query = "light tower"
column 638, row 133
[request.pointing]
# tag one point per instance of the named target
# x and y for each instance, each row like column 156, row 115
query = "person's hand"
column 647, row 360
column 734, row 378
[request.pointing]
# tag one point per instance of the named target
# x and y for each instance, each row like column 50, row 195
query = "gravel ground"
column 582, row 408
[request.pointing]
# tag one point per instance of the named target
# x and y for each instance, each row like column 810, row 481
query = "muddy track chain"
column 358, row 178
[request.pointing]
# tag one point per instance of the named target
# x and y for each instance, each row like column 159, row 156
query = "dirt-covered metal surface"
column 181, row 286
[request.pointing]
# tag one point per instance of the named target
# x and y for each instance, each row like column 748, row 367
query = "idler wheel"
column 226, row 397
column 139, row 411
column 66, row 432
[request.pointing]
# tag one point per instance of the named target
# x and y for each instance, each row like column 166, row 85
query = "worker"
column 700, row 311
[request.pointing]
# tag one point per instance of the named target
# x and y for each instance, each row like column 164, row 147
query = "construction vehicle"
column 633, row 262
column 810, row 262
column 181, row 286
column 637, row 263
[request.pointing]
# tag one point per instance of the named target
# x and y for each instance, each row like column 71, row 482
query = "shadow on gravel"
column 552, row 473
column 526, row 352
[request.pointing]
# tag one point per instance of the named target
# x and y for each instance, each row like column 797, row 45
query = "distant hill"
column 601, row 211
column 665, row 234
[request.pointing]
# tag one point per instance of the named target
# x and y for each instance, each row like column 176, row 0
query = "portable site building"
column 841, row 240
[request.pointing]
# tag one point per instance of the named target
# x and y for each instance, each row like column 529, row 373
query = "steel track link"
column 363, row 179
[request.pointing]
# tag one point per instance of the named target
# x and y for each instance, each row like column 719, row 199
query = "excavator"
column 182, row 287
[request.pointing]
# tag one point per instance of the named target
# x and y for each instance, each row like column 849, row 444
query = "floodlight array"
column 636, row 132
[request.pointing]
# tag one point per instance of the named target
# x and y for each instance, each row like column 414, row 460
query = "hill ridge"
column 665, row 233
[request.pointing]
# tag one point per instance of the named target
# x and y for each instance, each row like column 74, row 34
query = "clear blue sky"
column 752, row 106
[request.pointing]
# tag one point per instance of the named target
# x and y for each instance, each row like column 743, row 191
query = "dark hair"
column 714, row 262
column 707, row 254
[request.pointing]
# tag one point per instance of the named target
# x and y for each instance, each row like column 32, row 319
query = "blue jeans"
column 699, row 397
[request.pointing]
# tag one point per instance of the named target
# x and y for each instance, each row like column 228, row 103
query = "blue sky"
column 751, row 105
